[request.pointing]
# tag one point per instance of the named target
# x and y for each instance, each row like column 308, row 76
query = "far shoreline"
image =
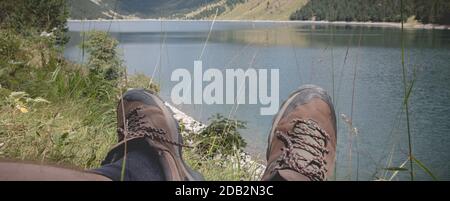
column 342, row 23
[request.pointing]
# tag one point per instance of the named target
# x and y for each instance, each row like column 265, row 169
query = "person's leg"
column 152, row 141
column 141, row 164
column 302, row 141
column 20, row 171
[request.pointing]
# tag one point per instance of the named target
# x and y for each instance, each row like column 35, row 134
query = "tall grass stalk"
column 294, row 50
column 209, row 35
column 406, row 98
column 397, row 171
column 125, row 129
column 354, row 131
column 336, row 101
column 332, row 62
column 204, row 48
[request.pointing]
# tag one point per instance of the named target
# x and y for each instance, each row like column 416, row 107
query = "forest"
column 424, row 11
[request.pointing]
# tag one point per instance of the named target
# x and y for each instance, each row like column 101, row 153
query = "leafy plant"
column 221, row 137
column 104, row 60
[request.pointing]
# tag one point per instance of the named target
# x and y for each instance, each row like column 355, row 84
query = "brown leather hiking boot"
column 143, row 116
column 302, row 142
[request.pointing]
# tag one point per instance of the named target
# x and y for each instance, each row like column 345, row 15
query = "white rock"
column 45, row 34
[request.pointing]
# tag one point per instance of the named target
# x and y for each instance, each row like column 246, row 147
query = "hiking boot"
column 143, row 117
column 302, row 141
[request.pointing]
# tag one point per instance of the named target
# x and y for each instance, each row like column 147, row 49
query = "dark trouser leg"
column 141, row 164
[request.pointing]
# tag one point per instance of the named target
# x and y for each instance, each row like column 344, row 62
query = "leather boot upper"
column 302, row 142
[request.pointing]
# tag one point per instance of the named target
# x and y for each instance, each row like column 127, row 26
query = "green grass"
column 59, row 133
column 228, row 168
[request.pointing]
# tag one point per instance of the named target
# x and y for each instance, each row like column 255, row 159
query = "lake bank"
column 339, row 23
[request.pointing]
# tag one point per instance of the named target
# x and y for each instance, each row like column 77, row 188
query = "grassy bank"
column 58, row 112
column 51, row 109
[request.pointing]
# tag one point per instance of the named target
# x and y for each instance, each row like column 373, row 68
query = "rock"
column 190, row 123
column 45, row 34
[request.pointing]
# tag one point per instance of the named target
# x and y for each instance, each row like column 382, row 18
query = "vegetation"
column 218, row 151
column 53, row 110
column 70, row 125
column 209, row 10
column 220, row 137
column 56, row 111
column 35, row 16
column 64, row 113
column 104, row 60
column 425, row 11
column 231, row 3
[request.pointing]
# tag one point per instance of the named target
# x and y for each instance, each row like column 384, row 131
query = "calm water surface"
column 323, row 55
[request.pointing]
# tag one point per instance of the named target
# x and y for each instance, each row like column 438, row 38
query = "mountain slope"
column 424, row 11
column 119, row 9
column 248, row 10
column 185, row 9
column 86, row 9
column 263, row 10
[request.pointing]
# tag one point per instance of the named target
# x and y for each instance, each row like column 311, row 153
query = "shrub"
column 104, row 60
column 140, row 80
column 221, row 137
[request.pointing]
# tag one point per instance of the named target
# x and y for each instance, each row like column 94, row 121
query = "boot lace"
column 137, row 129
column 298, row 138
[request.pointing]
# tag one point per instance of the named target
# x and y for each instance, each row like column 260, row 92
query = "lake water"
column 319, row 54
